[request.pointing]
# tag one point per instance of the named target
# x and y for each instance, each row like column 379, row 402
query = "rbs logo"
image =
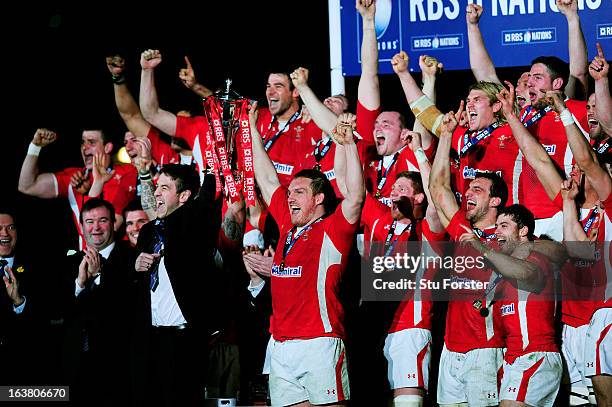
column 524, row 37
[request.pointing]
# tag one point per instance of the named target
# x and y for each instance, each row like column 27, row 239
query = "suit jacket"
column 18, row 332
column 101, row 316
column 190, row 241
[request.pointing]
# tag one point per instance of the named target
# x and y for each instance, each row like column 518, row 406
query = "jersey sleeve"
column 432, row 236
column 365, row 122
column 340, row 231
column 187, row 128
column 372, row 209
column 161, row 151
column 63, row 181
column 126, row 190
column 278, row 207
column 454, row 228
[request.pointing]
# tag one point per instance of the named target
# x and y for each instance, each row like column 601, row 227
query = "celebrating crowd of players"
column 518, row 175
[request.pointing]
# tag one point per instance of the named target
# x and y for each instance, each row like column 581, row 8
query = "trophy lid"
column 227, row 94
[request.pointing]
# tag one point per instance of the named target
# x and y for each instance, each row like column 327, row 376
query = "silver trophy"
column 229, row 100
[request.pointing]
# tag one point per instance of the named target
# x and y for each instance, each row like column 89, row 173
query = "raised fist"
column 43, row 137
column 399, row 62
column 150, row 58
column 473, row 13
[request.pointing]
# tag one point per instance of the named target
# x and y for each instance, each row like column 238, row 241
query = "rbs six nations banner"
column 515, row 31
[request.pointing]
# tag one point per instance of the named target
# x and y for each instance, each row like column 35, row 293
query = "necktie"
column 158, row 247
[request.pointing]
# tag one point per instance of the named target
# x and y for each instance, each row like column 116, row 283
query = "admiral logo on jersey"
column 470, row 173
column 287, row 271
column 507, row 309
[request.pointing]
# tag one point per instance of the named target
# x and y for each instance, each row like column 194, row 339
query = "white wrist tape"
column 566, row 117
column 420, row 156
column 33, row 149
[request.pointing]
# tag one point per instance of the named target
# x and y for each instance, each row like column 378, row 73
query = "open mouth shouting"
column 470, row 204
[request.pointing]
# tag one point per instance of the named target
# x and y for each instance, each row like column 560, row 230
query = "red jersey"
column 119, row 191
column 194, row 130
column 321, row 156
column 161, row 152
column 585, row 284
column 528, row 318
column 380, row 172
column 380, row 227
column 466, row 329
column 380, row 175
column 550, row 132
column 287, row 144
column 490, row 150
column 305, row 282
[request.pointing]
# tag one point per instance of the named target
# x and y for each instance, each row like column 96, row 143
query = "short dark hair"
column 133, row 206
column 94, row 203
column 521, row 216
column 499, row 189
column 4, row 210
column 319, row 184
column 103, row 134
column 286, row 73
column 415, row 177
column 557, row 68
column 184, row 176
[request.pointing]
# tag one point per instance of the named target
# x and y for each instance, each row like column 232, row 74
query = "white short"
column 533, row 379
column 552, row 226
column 572, row 349
column 310, row 369
column 469, row 377
column 268, row 357
column 408, row 355
column 598, row 344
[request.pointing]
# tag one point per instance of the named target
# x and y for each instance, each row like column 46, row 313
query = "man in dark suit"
column 15, row 308
column 179, row 289
column 96, row 359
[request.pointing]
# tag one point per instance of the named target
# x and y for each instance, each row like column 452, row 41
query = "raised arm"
column 577, row 84
column 265, row 173
column 480, row 60
column 322, row 116
column 429, row 69
column 414, row 143
column 440, row 190
column 584, row 155
column 422, row 106
column 528, row 274
column 126, row 105
column 355, row 189
column 574, row 237
column 100, row 174
column 30, row 181
column 187, row 76
column 149, row 104
column 533, row 151
column 599, row 69
column 142, row 162
column 368, row 90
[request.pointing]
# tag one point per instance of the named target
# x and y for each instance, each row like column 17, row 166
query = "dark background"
column 55, row 75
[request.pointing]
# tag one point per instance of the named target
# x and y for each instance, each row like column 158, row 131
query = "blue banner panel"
column 515, row 31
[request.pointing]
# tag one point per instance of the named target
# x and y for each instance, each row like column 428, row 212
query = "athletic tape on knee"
column 408, row 400
column 427, row 113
